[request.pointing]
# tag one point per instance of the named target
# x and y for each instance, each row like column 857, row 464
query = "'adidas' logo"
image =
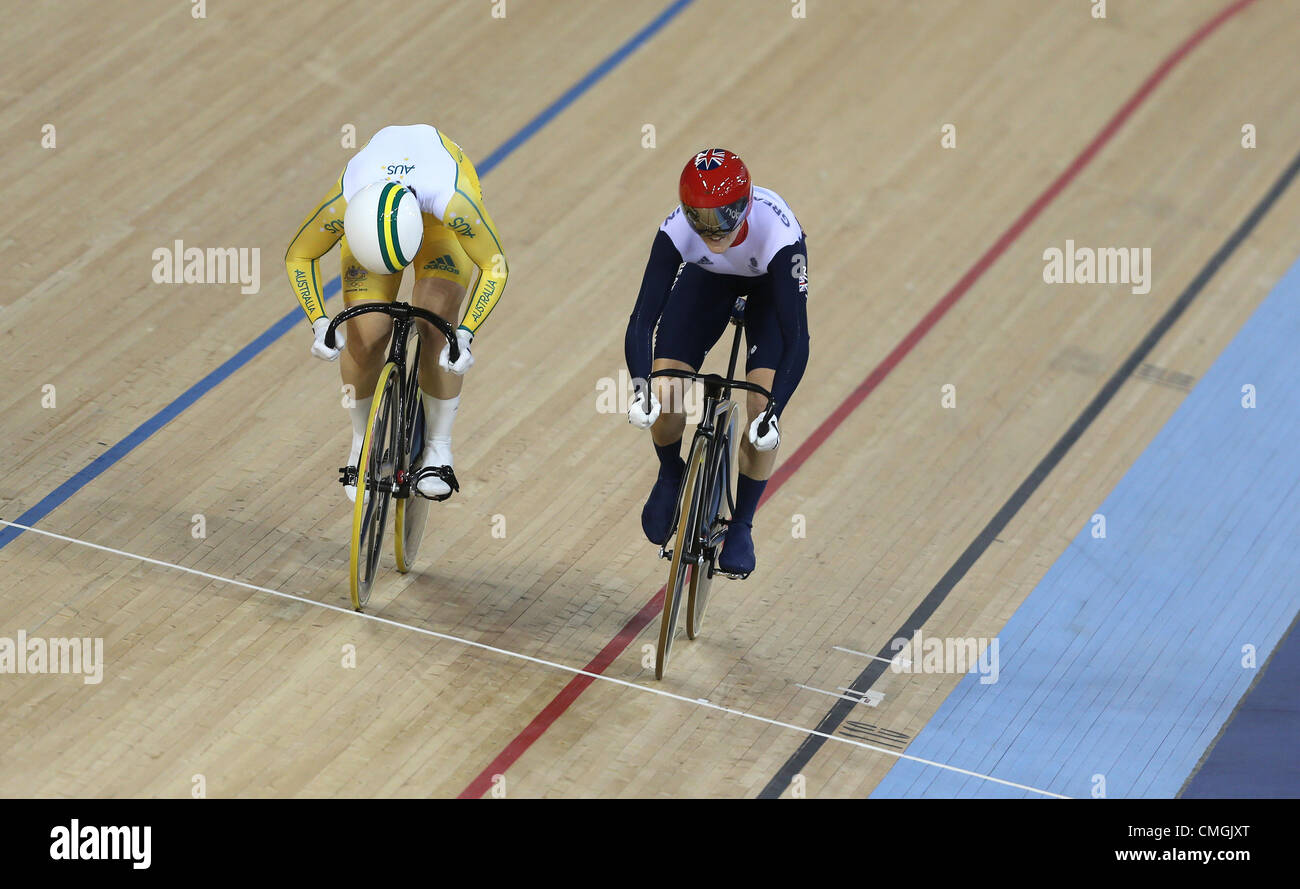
column 443, row 263
column 703, row 260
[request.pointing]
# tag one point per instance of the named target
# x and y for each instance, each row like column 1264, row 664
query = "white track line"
column 871, row 699
column 883, row 660
column 699, row 702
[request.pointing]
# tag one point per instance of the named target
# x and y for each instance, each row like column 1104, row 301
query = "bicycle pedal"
column 348, row 475
column 733, row 576
column 442, row 472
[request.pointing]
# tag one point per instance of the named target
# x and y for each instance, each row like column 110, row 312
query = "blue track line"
column 613, row 61
column 173, row 409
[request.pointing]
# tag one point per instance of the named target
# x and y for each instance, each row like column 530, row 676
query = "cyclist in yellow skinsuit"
column 459, row 239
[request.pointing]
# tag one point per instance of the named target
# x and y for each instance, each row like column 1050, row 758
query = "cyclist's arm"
column 316, row 237
column 468, row 218
column 660, row 270
column 789, row 271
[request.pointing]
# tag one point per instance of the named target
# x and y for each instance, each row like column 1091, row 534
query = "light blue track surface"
column 1126, row 659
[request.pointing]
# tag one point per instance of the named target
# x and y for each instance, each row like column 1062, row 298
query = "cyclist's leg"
column 367, row 336
column 366, row 344
column 668, row 428
column 764, row 344
column 756, row 464
column 693, row 318
column 442, row 275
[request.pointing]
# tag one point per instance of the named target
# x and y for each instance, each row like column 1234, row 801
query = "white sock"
column 360, row 412
column 439, row 415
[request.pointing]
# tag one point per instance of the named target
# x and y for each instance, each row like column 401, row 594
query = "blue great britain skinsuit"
column 687, row 292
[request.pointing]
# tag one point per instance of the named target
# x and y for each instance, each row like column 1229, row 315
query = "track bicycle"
column 394, row 438
column 705, row 501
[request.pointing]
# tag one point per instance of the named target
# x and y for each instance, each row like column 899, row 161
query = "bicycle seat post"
column 738, row 319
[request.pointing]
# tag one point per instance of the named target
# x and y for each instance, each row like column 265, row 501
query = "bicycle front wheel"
column 375, row 470
column 411, row 511
column 688, row 516
column 716, row 511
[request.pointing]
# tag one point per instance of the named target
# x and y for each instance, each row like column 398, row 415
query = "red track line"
column 576, row 686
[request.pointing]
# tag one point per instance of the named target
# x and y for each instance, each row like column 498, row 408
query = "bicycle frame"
column 717, row 404
column 404, row 316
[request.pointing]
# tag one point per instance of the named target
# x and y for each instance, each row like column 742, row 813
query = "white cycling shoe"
column 349, row 473
column 435, row 478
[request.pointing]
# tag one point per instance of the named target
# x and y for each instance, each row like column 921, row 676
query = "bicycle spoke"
column 716, row 511
column 690, row 498
column 374, row 488
column 412, row 511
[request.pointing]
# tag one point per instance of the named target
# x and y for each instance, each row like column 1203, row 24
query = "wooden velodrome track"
column 223, row 132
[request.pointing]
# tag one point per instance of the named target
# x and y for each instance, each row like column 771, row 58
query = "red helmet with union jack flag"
column 715, row 191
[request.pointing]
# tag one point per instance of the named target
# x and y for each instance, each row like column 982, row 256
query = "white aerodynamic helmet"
column 384, row 227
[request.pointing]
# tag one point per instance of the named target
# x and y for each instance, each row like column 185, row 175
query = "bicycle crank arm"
column 384, row 484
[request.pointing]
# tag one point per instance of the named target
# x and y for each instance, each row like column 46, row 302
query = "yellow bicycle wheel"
column 374, row 488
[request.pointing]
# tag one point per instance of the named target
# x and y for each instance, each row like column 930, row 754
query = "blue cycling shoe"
column 658, row 512
column 737, row 556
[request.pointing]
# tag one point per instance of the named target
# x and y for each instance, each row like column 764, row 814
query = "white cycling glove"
column 764, row 442
column 318, row 348
column 465, row 361
column 636, row 412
